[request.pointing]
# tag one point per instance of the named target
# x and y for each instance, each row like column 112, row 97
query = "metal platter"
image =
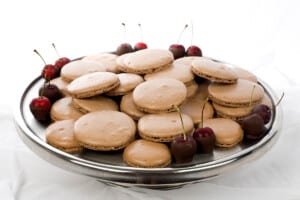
column 109, row 167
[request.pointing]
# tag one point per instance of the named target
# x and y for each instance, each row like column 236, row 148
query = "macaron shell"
column 60, row 134
column 127, row 106
column 214, row 71
column 232, row 113
column 93, row 84
column 147, row 154
column 105, row 130
column 163, row 127
column 236, row 95
column 228, row 132
column 78, row 68
column 106, row 59
column 159, row 95
column 245, row 74
column 62, row 109
column 192, row 90
column 96, row 103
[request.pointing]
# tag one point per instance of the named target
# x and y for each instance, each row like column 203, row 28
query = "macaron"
column 147, row 154
column 164, row 127
column 145, row 61
column 62, row 109
column 104, row 130
column 96, row 103
column 127, row 106
column 177, row 71
column 236, row 113
column 192, row 89
column 187, row 60
column 77, row 68
column 61, row 84
column 159, row 95
column 128, row 82
column 227, row 131
column 106, row 59
column 193, row 108
column 214, row 71
column 236, row 95
column 93, row 84
column 244, row 74
column 60, row 135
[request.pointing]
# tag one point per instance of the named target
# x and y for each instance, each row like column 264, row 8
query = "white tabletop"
column 262, row 36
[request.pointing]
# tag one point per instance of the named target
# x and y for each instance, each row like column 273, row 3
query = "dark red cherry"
column 178, row 50
column 50, row 91
column 264, row 111
column 50, row 72
column 193, row 51
column 40, row 108
column 124, row 48
column 253, row 126
column 140, row 46
column 183, row 149
column 205, row 138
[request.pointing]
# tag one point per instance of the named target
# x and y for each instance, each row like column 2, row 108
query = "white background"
column 262, row 36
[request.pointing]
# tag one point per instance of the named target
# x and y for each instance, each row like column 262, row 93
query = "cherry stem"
column 35, row 51
column 202, row 113
column 55, row 49
column 278, row 102
column 182, row 33
column 182, row 125
column 141, row 32
column 124, row 25
column 251, row 97
column 192, row 35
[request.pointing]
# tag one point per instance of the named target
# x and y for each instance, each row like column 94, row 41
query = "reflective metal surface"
column 108, row 167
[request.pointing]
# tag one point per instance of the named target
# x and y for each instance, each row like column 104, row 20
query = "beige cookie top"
column 214, row 71
column 93, row 84
column 228, row 132
column 77, row 68
column 177, row 71
column 106, row 59
column 143, row 153
column 60, row 134
column 62, row 109
column 159, row 95
column 187, row 60
column 193, row 107
column 96, row 103
column 146, row 61
column 244, row 74
column 105, row 130
column 163, row 127
column 128, row 82
column 127, row 106
column 61, row 84
column 236, row 95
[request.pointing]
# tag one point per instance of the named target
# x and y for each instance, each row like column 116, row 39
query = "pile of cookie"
column 128, row 103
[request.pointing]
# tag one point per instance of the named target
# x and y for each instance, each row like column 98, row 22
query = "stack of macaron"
column 128, row 103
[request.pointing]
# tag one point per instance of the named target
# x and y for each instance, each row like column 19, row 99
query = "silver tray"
column 109, row 167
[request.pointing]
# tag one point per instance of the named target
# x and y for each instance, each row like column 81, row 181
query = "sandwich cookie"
column 62, row 85
column 60, row 135
column 228, row 132
column 214, row 71
column 187, row 60
column 96, row 103
column 164, row 127
column 127, row 106
column 106, row 59
column 145, row 61
column 245, row 74
column 93, row 84
column 77, row 68
column 105, row 130
column 128, row 82
column 236, row 95
column 177, row 71
column 159, row 95
column 62, row 109
column 147, row 154
column 193, row 108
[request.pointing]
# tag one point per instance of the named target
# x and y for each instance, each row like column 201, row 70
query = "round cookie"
column 62, row 109
column 192, row 89
column 228, row 132
column 164, row 127
column 61, row 84
column 187, row 60
column 245, row 74
column 96, row 103
column 236, row 95
column 193, row 107
column 93, row 84
column 146, row 61
column 159, row 95
column 214, row 71
column 105, row 130
column 147, row 154
column 77, row 68
column 106, row 59
column 128, row 82
column 127, row 106
column 60, row 135
column 177, row 71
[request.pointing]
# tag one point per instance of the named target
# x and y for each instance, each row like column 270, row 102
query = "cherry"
column 264, row 111
column 50, row 91
column 253, row 126
column 193, row 50
column 49, row 71
column 59, row 63
column 124, row 48
column 178, row 50
column 40, row 108
column 140, row 45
